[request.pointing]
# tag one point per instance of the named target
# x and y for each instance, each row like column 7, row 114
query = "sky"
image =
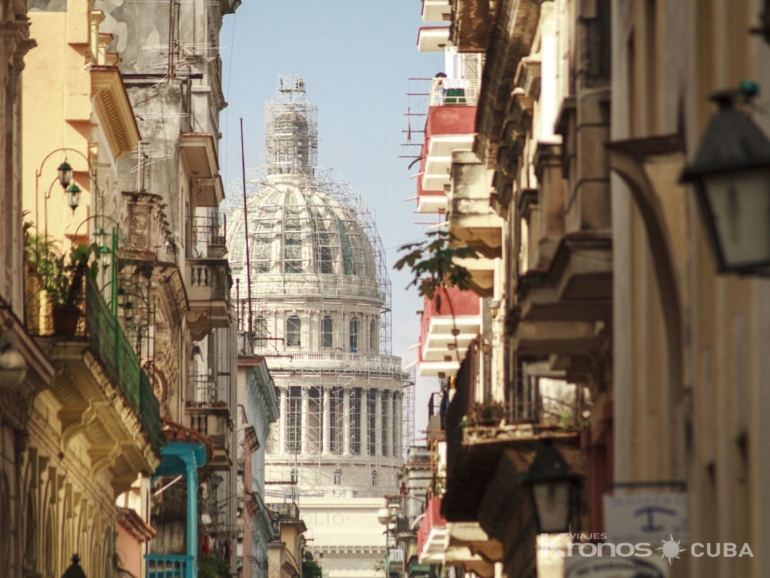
column 356, row 57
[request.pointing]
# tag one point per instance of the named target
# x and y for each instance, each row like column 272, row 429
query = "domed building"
column 316, row 303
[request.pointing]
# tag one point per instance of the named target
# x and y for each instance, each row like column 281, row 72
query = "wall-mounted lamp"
column 731, row 177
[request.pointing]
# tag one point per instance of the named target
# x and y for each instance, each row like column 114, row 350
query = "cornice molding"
column 114, row 109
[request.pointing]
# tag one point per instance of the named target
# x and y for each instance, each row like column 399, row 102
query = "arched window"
column 354, row 335
column 374, row 477
column 373, row 336
column 327, row 327
column 337, row 477
column 293, row 331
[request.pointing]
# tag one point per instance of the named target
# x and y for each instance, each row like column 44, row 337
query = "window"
column 374, row 477
column 294, row 478
column 355, row 421
column 354, row 335
column 261, row 257
column 293, row 331
column 373, row 336
column 294, row 421
column 327, row 327
column 337, row 477
column 325, row 254
column 371, row 410
column 336, row 419
column 292, row 252
column 385, row 405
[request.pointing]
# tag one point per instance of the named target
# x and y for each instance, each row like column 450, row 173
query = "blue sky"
column 356, row 57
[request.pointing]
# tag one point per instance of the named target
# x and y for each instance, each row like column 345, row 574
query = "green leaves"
column 61, row 278
column 432, row 262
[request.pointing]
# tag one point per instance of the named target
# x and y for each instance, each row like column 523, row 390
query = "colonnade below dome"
column 333, row 420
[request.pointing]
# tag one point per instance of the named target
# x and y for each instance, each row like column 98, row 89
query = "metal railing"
column 453, row 92
column 169, row 565
column 93, row 320
column 207, row 238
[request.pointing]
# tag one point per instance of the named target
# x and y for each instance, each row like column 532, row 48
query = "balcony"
column 207, row 276
column 486, row 456
column 449, row 127
column 199, row 158
column 433, row 38
column 447, row 331
column 471, row 216
column 208, row 413
column 105, row 395
column 329, row 361
column 208, row 293
column 169, row 565
column 471, row 25
column 436, row 11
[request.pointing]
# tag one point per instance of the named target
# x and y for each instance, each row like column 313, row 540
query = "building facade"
column 605, row 327
column 257, row 410
column 20, row 379
column 315, row 300
column 94, row 428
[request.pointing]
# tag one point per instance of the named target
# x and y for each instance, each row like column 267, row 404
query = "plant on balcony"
column 309, row 568
column 488, row 413
column 61, row 276
column 212, row 566
column 433, row 264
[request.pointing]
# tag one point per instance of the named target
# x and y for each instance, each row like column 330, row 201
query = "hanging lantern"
column 65, row 174
column 72, row 196
column 553, row 488
column 731, row 177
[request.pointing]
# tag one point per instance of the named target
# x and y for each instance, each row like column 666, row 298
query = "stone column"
column 378, row 423
column 283, row 420
column 364, row 425
column 346, row 422
column 398, row 424
column 305, row 422
column 389, row 425
column 327, row 425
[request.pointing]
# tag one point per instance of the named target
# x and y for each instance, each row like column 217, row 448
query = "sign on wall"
column 645, row 518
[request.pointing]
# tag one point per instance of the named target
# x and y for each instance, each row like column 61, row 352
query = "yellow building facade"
column 95, row 428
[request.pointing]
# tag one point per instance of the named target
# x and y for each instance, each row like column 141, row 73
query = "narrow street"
column 385, row 289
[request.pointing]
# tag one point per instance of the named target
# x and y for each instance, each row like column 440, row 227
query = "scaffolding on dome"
column 314, row 245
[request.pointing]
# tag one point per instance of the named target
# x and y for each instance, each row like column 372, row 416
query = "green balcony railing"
column 94, row 321
column 116, row 354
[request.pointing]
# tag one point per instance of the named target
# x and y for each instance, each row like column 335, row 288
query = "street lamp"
column 553, row 488
column 72, row 196
column 384, row 517
column 74, row 571
column 731, row 177
column 13, row 367
column 65, row 174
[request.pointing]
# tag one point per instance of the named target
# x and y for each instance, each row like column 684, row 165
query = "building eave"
column 114, row 109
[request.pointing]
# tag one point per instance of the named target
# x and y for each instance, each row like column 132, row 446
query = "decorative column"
column 389, row 424
column 398, row 424
column 327, row 425
column 282, row 420
column 378, row 423
column 346, row 422
column 305, row 423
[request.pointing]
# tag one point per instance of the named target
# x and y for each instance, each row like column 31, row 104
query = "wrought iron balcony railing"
column 90, row 319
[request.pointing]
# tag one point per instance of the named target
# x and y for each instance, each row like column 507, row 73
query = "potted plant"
column 61, row 278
